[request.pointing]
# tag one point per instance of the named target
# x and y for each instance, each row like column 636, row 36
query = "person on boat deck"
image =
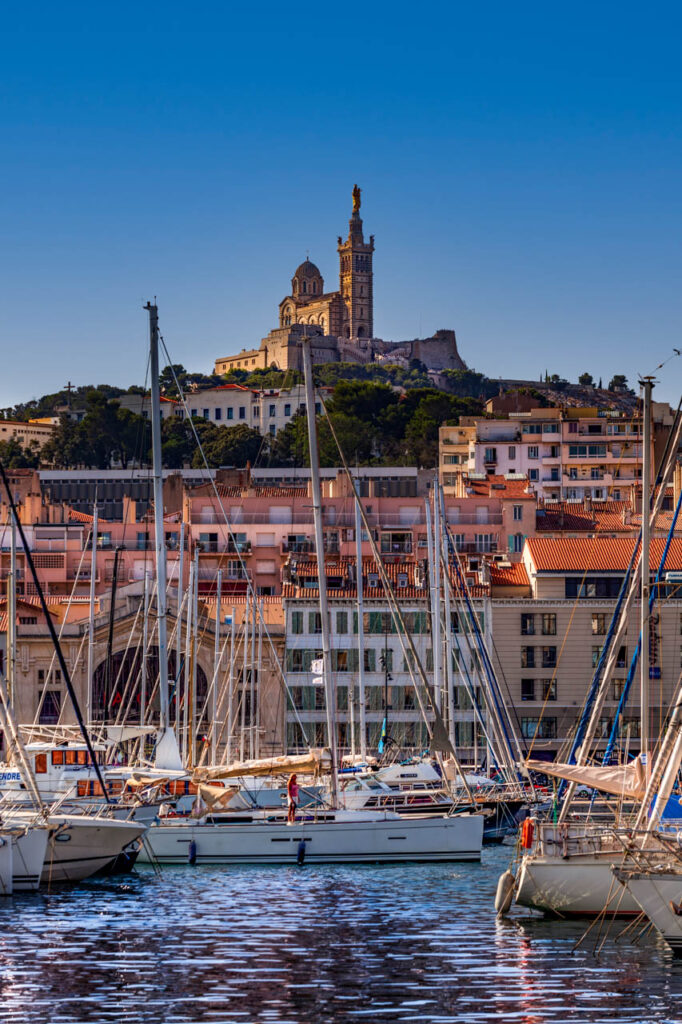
column 292, row 797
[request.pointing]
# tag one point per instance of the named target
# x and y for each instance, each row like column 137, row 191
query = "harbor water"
column 318, row 944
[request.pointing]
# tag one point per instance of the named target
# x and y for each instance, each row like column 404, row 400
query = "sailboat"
column 330, row 834
column 74, row 846
column 565, row 867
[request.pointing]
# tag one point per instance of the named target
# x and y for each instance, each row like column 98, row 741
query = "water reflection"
column 335, row 944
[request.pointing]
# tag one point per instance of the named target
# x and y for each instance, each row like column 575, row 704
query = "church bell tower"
column 356, row 279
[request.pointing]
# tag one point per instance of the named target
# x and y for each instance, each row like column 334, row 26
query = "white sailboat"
column 328, row 835
column 566, row 865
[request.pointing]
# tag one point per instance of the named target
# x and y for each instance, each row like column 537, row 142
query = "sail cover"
column 315, row 762
column 620, row 780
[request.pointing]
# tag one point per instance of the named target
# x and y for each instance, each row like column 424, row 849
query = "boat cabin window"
column 41, row 764
column 57, row 757
column 75, row 757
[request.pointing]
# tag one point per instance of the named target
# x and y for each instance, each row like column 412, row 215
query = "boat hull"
column 653, row 893
column 28, row 858
column 325, row 842
column 80, row 846
column 581, row 886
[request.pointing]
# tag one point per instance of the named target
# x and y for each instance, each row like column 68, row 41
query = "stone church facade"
column 340, row 323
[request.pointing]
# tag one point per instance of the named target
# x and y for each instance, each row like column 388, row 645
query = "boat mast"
column 321, row 569
column 361, row 635
column 216, row 669
column 12, row 610
column 159, row 535
column 647, row 384
column 91, row 622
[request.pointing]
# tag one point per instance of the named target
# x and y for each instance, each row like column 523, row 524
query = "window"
column 208, row 542
column 548, row 657
column 518, row 513
column 230, row 414
column 490, row 455
column 516, row 543
column 542, row 728
column 272, row 411
column 512, row 451
column 141, row 541
column 256, row 412
column 527, row 689
column 297, row 622
column 596, row 654
column 592, row 586
column 242, row 412
column 342, row 622
column 314, row 622
column 527, row 657
column 206, row 413
column 573, row 427
column 195, row 412
column 533, row 475
column 273, row 429
column 617, row 688
column 527, row 624
column 548, row 624
column 28, row 620
column 598, row 624
column 50, row 708
column 370, row 660
column 548, row 689
column 287, row 409
column 622, row 657
column 533, row 451
column 300, row 660
column 218, row 414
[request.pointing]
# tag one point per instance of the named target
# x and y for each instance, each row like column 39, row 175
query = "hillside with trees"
column 381, row 414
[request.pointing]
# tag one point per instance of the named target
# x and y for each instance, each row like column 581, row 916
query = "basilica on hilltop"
column 340, row 324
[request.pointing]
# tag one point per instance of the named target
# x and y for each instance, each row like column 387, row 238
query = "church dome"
column 307, row 280
column 307, row 269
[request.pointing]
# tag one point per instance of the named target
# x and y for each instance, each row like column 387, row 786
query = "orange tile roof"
column 596, row 554
column 601, row 517
column 496, row 486
column 83, row 517
column 514, row 575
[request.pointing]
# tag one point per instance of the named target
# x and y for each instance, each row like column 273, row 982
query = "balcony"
column 299, row 547
column 472, row 519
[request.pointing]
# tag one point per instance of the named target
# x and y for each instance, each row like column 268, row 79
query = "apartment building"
column 388, row 674
column 567, row 454
column 228, row 405
column 551, row 614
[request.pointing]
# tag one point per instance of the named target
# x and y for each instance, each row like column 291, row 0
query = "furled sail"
column 316, row 762
column 621, row 780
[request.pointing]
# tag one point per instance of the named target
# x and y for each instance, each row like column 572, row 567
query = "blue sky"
column 520, row 167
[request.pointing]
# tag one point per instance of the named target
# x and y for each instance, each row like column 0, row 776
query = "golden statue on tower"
column 356, row 198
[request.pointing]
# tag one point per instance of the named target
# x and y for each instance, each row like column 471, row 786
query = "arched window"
column 314, row 287
column 361, row 332
column 304, row 287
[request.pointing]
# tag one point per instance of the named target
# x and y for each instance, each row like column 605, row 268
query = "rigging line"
column 250, row 586
column 438, row 726
column 62, row 627
column 591, row 691
column 53, row 633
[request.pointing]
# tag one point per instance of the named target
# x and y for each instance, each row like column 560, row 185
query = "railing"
column 471, row 519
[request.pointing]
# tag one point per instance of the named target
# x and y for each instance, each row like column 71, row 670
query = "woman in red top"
column 292, row 796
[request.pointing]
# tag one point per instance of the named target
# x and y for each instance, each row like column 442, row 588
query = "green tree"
column 167, row 378
column 230, row 446
column 619, row 380
column 586, row 380
column 14, row 455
